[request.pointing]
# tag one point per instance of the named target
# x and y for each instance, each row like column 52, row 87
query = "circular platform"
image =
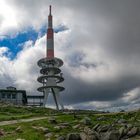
column 41, row 78
column 47, row 69
column 45, row 62
column 41, row 89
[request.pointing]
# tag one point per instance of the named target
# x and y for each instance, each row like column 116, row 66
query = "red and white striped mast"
column 50, row 36
column 50, row 71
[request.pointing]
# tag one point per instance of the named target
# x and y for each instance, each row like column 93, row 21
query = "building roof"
column 35, row 97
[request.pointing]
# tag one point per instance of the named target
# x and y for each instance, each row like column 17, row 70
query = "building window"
column 13, row 96
column 8, row 95
column 3, row 95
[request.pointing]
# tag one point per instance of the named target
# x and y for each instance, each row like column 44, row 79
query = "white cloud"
column 9, row 19
column 132, row 96
column 93, row 49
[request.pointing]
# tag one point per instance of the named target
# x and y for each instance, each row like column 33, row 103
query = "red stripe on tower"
column 50, row 33
column 50, row 41
column 50, row 53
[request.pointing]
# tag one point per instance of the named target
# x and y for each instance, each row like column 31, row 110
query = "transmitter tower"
column 50, row 70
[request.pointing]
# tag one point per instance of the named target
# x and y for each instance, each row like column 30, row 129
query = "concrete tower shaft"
column 51, row 76
column 50, row 37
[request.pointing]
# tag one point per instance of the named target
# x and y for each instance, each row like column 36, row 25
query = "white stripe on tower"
column 50, row 41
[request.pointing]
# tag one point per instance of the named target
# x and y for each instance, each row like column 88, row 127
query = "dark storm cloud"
column 120, row 41
column 114, row 26
column 78, row 91
column 110, row 28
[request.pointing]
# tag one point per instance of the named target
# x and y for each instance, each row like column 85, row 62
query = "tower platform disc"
column 42, row 89
column 41, row 79
column 44, row 62
column 48, row 69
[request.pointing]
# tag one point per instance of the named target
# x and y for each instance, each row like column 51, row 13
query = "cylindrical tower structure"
column 50, row 71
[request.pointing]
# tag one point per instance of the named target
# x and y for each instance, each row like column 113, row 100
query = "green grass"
column 15, row 112
column 29, row 133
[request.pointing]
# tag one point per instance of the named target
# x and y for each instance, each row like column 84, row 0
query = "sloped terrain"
column 70, row 125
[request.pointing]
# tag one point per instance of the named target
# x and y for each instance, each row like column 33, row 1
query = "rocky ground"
column 119, row 130
column 77, row 126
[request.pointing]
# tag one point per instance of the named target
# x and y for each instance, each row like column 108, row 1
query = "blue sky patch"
column 16, row 44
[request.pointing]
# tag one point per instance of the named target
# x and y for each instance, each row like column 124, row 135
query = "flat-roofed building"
column 35, row 100
column 14, row 96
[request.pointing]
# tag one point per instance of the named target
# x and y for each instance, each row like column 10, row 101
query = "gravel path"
column 21, row 120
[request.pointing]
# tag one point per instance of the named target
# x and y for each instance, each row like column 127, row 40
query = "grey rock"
column 138, row 131
column 73, row 136
column 56, row 135
column 123, row 131
column 132, row 132
column 52, row 120
column 102, row 118
column 96, row 127
column 65, row 124
column 86, row 121
column 45, row 130
column 1, row 132
column 112, row 135
column 49, row 135
column 133, row 118
column 90, row 134
column 120, row 121
column 18, row 129
column 86, row 130
column 104, row 128
column 61, row 138
column 83, row 136
column 57, row 127
column 129, row 126
column 92, row 137
column 76, row 126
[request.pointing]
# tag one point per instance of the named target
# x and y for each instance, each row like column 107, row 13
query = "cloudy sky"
column 98, row 40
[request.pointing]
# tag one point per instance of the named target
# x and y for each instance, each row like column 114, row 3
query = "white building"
column 12, row 95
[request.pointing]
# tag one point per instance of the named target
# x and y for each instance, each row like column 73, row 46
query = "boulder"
column 83, row 136
column 92, row 137
column 76, row 126
column 61, row 138
column 18, row 129
column 102, row 118
column 43, row 129
column 52, row 120
column 132, row 132
column 57, row 127
column 86, row 121
column 129, row 126
column 123, row 131
column 103, row 128
column 73, row 136
column 87, row 129
column 120, row 121
column 49, row 135
column 65, row 124
column 112, row 135
column 1, row 132
column 139, row 131
column 96, row 127
column 90, row 134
